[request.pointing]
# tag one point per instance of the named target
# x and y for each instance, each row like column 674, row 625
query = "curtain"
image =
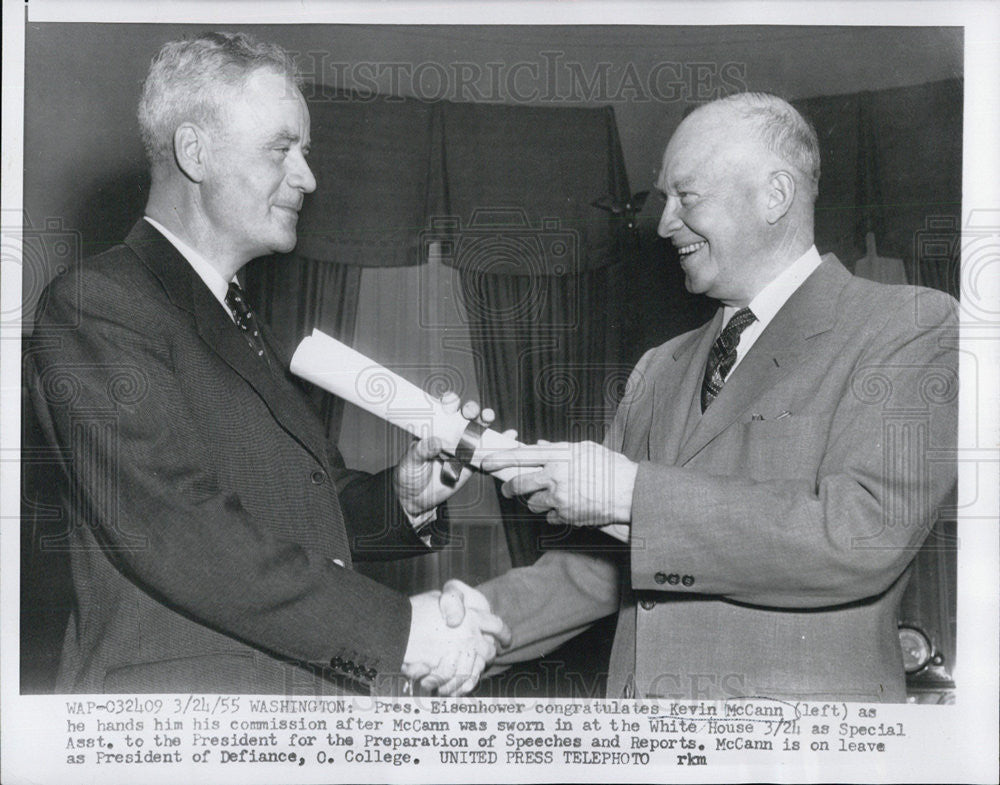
column 396, row 178
column 520, row 183
column 918, row 147
column 492, row 190
column 373, row 164
column 552, row 373
column 538, row 270
column 294, row 294
column 892, row 165
column 407, row 318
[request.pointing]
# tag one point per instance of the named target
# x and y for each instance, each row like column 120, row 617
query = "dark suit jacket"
column 211, row 525
column 771, row 535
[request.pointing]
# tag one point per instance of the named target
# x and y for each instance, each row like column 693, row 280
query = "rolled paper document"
column 348, row 374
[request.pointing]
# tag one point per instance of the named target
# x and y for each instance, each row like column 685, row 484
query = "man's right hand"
column 579, row 483
column 453, row 637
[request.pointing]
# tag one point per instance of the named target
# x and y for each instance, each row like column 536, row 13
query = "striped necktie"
column 723, row 355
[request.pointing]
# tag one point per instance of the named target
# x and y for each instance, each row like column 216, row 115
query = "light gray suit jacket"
column 770, row 536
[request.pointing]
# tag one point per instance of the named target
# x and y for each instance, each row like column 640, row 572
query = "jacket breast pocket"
column 788, row 448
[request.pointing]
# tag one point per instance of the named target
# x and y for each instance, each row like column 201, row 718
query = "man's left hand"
column 580, row 483
column 417, row 479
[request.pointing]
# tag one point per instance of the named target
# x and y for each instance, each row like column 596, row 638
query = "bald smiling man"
column 772, row 470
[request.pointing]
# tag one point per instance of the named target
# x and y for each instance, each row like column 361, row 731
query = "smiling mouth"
column 687, row 250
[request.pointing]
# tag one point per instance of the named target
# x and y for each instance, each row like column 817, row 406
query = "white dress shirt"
column 770, row 299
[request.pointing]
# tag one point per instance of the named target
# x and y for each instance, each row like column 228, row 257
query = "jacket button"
column 673, row 579
column 339, row 562
column 660, row 577
column 648, row 605
column 688, row 580
column 318, row 477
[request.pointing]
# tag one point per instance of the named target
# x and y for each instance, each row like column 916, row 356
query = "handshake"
column 453, row 637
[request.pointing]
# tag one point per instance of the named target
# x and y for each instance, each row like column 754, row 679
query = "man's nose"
column 301, row 176
column 669, row 222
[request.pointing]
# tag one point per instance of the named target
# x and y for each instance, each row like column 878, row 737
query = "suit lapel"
column 810, row 311
column 682, row 382
column 187, row 291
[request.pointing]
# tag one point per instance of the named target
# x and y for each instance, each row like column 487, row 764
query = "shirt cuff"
column 423, row 524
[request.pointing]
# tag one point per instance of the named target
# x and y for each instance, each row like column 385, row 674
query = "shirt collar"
column 772, row 297
column 216, row 284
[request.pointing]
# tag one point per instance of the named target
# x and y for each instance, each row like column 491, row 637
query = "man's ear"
column 780, row 195
column 191, row 151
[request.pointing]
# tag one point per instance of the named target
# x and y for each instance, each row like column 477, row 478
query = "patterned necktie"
column 723, row 355
column 244, row 318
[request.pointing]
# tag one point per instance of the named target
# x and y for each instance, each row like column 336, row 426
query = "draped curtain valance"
column 505, row 189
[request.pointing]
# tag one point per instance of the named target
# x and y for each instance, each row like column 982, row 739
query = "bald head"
column 784, row 134
column 740, row 178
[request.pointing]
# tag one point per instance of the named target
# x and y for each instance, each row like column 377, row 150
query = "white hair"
column 187, row 79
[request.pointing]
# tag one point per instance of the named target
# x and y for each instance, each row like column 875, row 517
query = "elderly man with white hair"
column 774, row 471
column 213, row 527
